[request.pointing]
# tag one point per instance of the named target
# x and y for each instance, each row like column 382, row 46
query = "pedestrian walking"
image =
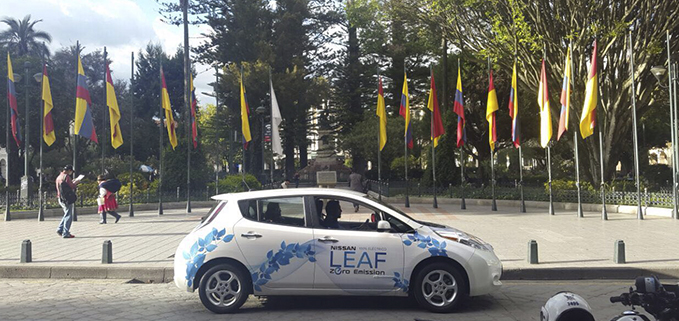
column 66, row 196
column 356, row 184
column 108, row 186
column 285, row 183
column 295, row 178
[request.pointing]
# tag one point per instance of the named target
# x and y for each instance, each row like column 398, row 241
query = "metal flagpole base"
column 580, row 212
column 640, row 213
column 75, row 213
column 551, row 207
column 523, row 202
column 436, row 204
column 131, row 210
column 160, row 208
column 407, row 196
column 493, row 206
column 41, row 212
column 463, row 204
column 188, row 205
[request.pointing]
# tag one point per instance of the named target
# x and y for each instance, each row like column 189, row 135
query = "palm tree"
column 22, row 39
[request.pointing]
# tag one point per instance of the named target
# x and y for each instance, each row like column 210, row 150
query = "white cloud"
column 123, row 26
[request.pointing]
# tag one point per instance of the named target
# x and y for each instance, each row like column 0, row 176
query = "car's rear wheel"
column 440, row 287
column 224, row 288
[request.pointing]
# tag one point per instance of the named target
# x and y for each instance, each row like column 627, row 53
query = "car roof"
column 281, row 192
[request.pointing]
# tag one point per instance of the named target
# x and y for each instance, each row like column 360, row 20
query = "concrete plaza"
column 569, row 247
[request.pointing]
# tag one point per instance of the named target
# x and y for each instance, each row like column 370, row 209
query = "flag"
column 588, row 118
column 113, row 111
column 194, row 125
column 433, row 105
column 47, row 123
column 382, row 114
column 545, row 114
column 244, row 112
column 169, row 117
column 276, row 120
column 405, row 112
column 491, row 108
column 514, row 110
column 565, row 96
column 12, row 98
column 84, row 126
column 458, row 108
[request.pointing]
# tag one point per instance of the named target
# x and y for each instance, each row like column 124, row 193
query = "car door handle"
column 328, row 239
column 251, row 234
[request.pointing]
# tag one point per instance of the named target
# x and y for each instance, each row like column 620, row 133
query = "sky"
column 122, row 26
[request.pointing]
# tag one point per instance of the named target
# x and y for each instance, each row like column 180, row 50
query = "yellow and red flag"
column 47, row 124
column 588, row 118
column 514, row 110
column 433, row 105
column 545, row 114
column 169, row 118
column 382, row 114
column 244, row 113
column 565, row 96
column 113, row 110
column 84, row 125
column 405, row 112
column 12, row 98
column 491, row 108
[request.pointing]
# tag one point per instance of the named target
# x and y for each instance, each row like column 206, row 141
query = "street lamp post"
column 41, row 214
column 659, row 73
column 25, row 181
column 261, row 111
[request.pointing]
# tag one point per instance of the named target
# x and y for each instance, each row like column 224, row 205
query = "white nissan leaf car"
column 303, row 242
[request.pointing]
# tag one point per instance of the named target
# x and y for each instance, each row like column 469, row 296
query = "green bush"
column 233, row 183
column 564, row 184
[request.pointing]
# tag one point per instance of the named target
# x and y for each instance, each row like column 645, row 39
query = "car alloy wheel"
column 440, row 287
column 223, row 288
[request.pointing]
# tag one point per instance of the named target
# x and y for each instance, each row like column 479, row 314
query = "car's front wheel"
column 224, row 288
column 439, row 287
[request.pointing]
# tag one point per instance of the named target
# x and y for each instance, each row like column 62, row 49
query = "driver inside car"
column 333, row 212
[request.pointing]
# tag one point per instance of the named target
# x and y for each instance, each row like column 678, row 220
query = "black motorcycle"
column 660, row 300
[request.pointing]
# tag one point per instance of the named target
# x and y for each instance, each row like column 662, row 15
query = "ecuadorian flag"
column 84, row 126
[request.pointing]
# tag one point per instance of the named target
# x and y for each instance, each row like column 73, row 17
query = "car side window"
column 248, row 209
column 340, row 214
column 287, row 211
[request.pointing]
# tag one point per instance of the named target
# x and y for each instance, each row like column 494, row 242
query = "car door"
column 279, row 249
column 354, row 256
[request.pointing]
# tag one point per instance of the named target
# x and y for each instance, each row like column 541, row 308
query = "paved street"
column 116, row 300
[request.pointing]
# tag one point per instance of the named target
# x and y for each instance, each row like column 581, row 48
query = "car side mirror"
column 383, row 226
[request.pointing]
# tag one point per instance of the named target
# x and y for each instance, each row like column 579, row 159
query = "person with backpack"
column 66, row 196
column 108, row 186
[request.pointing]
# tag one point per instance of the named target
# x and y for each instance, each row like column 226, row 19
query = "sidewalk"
column 569, row 247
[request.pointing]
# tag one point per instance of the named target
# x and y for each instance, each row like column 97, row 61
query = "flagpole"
column 131, row 137
column 187, row 102
column 670, row 79
column 575, row 144
column 160, row 147
column 463, row 204
column 103, row 119
column 75, row 137
column 675, row 149
column 604, row 213
column 8, row 216
column 433, row 147
column 522, row 209
column 640, row 213
column 493, row 206
column 549, row 173
column 41, row 213
column 405, row 146
column 379, row 148
column 273, row 160
column 242, row 132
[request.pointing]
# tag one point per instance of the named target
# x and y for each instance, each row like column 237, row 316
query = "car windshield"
column 395, row 209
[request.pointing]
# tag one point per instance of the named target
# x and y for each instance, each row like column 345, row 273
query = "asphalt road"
column 117, row 300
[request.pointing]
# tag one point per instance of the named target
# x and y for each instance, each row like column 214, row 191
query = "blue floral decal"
column 281, row 257
column 435, row 247
column 400, row 282
column 195, row 257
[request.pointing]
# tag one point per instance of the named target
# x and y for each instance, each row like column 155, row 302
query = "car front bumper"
column 485, row 271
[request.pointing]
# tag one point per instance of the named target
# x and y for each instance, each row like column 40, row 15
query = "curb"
column 143, row 274
column 89, row 210
column 166, row 274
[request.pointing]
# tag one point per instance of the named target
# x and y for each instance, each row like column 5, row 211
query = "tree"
column 499, row 28
column 22, row 39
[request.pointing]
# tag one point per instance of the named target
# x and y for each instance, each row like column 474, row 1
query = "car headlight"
column 474, row 243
